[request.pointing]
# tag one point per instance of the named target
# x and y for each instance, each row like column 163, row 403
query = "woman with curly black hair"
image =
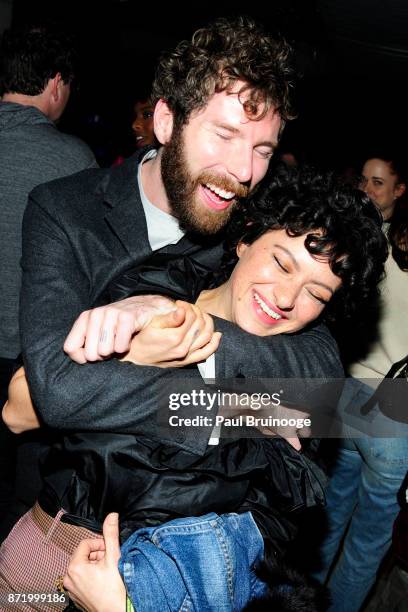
column 334, row 223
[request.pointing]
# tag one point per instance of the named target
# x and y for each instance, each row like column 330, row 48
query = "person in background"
column 37, row 69
column 373, row 457
column 142, row 124
column 391, row 591
column 383, row 179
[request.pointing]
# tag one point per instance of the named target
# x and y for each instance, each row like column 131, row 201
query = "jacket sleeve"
column 309, row 354
column 103, row 396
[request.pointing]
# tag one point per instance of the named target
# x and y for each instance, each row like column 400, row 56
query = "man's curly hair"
column 216, row 58
column 340, row 222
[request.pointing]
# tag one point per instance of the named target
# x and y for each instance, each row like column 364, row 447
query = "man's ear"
column 163, row 120
column 54, row 86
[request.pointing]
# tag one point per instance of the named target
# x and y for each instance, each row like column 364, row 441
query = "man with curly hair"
column 221, row 101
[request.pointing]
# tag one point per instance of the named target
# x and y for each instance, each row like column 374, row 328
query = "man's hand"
column 92, row 579
column 102, row 331
column 181, row 337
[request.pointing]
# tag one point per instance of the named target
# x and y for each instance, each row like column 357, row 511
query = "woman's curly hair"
column 340, row 222
column 219, row 55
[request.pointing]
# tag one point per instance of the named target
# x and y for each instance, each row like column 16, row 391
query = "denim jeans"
column 195, row 564
column 361, row 496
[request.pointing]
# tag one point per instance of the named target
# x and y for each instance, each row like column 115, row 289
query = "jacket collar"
column 125, row 213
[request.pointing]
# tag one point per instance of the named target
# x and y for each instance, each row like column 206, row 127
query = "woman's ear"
column 399, row 189
column 163, row 122
column 241, row 248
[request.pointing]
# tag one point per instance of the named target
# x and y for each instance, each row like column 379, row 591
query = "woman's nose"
column 285, row 296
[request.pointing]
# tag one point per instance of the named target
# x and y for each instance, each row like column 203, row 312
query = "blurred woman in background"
column 373, row 457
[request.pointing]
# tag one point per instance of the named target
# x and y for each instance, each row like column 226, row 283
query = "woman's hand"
column 18, row 412
column 92, row 579
column 181, row 337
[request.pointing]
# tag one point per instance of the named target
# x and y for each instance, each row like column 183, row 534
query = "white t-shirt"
column 207, row 371
column 162, row 228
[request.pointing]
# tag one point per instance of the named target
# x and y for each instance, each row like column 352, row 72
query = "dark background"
column 352, row 54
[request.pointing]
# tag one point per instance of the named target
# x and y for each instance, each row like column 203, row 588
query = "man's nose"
column 239, row 164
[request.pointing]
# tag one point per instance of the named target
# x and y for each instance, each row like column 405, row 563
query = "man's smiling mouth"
column 222, row 193
column 217, row 199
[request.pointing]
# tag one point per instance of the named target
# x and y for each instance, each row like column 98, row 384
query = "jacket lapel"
column 125, row 214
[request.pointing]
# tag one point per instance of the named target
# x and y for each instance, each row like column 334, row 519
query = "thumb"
column 111, row 537
column 84, row 549
column 175, row 318
column 294, row 441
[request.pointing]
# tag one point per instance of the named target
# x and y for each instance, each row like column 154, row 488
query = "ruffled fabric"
column 151, row 483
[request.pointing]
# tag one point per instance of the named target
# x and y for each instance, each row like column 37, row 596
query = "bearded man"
column 221, row 101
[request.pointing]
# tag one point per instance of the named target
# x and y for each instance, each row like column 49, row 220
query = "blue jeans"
column 196, row 564
column 361, row 495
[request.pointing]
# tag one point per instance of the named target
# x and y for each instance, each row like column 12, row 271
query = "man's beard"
column 181, row 188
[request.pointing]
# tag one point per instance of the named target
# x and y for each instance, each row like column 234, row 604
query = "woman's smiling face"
column 381, row 185
column 277, row 286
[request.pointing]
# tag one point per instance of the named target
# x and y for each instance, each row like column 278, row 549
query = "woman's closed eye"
column 318, row 298
column 280, row 264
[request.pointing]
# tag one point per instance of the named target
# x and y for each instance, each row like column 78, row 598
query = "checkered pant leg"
column 33, row 557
